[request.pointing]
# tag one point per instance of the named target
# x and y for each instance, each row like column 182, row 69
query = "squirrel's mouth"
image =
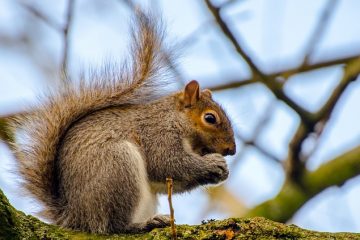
column 204, row 151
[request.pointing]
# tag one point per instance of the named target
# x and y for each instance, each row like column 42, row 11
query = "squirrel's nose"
column 229, row 151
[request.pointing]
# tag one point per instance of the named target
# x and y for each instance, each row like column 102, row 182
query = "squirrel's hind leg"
column 143, row 216
column 109, row 190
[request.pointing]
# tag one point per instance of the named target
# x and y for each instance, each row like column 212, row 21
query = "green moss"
column 8, row 219
column 291, row 197
column 333, row 173
column 283, row 206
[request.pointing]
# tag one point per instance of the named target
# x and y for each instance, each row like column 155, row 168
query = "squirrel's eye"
column 210, row 118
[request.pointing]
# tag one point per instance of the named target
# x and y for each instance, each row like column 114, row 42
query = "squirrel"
column 100, row 150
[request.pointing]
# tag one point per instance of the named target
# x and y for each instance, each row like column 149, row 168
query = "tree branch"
column 295, row 162
column 291, row 197
column 294, row 165
column 351, row 72
column 64, row 30
column 319, row 30
column 66, row 38
column 258, row 75
column 227, row 32
column 290, row 72
column 47, row 20
column 234, row 84
column 16, row 225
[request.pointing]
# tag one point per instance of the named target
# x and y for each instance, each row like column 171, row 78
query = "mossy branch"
column 292, row 196
column 16, row 225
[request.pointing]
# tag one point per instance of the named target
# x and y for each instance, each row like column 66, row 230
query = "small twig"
column 351, row 72
column 192, row 37
column 47, row 20
column 169, row 183
column 257, row 131
column 258, row 147
column 288, row 72
column 315, row 137
column 270, row 83
column 296, row 163
column 319, row 30
column 264, row 119
column 66, row 39
column 235, row 42
column 64, row 30
column 233, row 84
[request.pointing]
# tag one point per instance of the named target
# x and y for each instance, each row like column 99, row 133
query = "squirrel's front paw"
column 217, row 169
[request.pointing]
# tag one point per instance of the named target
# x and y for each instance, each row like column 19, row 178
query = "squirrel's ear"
column 191, row 93
column 207, row 93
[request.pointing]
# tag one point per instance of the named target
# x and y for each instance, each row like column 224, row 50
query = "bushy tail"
column 41, row 131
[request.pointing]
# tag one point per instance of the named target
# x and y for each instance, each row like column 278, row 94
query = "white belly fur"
column 147, row 205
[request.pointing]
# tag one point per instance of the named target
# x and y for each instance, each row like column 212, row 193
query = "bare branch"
column 258, row 147
column 319, row 30
column 325, row 112
column 64, row 30
column 264, row 119
column 294, row 165
column 295, row 161
column 276, row 87
column 66, row 38
column 290, row 72
column 234, row 84
column 317, row 65
column 130, row 4
column 50, row 22
column 257, row 130
column 258, row 75
column 235, row 42
column 192, row 37
column 351, row 72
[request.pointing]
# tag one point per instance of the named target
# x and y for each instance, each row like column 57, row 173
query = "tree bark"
column 16, row 225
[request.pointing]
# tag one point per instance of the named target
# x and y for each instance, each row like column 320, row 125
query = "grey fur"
column 98, row 150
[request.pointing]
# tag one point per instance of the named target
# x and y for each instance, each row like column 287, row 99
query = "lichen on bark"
column 16, row 225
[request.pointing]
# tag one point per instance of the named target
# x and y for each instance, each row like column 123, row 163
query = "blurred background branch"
column 291, row 197
column 295, row 191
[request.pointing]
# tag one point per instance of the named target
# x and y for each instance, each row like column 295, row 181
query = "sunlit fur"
column 98, row 148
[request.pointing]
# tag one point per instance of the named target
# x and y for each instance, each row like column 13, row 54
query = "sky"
column 274, row 32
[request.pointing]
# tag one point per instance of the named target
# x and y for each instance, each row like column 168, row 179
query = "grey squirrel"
column 100, row 151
